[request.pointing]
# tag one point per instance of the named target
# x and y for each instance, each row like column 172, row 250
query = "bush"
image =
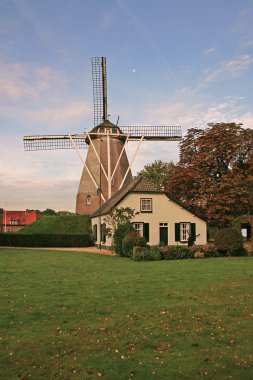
column 45, row 240
column 199, row 255
column 119, row 234
column 154, row 253
column 140, row 242
column 141, row 254
column 229, row 242
column 176, row 252
column 211, row 251
column 128, row 243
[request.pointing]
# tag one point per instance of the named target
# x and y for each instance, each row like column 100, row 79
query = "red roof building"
column 13, row 221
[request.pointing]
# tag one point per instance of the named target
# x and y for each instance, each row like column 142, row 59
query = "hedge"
column 45, row 240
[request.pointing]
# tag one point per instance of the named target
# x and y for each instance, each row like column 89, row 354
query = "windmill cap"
column 103, row 128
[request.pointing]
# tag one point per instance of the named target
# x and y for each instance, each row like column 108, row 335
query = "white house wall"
column 164, row 210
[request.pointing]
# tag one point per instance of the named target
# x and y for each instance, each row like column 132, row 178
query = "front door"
column 163, row 229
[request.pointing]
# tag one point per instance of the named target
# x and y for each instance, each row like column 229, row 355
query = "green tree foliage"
column 157, row 172
column 118, row 216
column 48, row 212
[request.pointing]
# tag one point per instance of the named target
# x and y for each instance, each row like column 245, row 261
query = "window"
column 184, row 231
column 88, row 200
column 138, row 228
column 146, row 204
column 14, row 222
column 112, row 181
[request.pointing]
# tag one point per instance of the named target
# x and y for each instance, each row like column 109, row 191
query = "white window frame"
column 138, row 226
column 185, row 230
column 88, row 200
column 146, row 204
column 14, row 222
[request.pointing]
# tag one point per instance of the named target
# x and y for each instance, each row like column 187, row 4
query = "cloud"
column 65, row 115
column 247, row 44
column 39, row 94
column 233, row 68
column 22, row 81
column 107, row 19
column 191, row 114
column 58, row 194
column 209, row 51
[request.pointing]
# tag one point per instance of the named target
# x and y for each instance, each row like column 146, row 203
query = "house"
column 158, row 218
column 13, row 221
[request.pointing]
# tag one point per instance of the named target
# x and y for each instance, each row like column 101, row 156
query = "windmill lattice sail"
column 151, row 133
column 99, row 80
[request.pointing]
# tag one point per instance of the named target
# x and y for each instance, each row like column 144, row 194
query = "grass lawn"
column 82, row 316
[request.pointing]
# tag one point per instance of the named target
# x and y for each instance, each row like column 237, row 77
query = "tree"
column 118, row 216
column 48, row 212
column 157, row 172
column 214, row 176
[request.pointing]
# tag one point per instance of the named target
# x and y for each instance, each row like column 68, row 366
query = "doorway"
column 163, row 234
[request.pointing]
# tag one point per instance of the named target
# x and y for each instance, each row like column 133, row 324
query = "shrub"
column 229, row 242
column 154, row 253
column 141, row 254
column 199, row 255
column 176, row 252
column 121, row 231
column 128, row 243
column 140, row 242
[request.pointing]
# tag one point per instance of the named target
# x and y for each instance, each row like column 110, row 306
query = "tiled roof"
column 146, row 186
column 139, row 184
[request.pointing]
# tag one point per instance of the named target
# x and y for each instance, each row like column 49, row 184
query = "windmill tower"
column 106, row 168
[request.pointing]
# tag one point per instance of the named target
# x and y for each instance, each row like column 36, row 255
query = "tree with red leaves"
column 214, row 176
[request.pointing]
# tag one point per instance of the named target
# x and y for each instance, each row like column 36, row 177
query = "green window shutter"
column 104, row 233
column 177, row 231
column 95, row 230
column 193, row 231
column 146, row 230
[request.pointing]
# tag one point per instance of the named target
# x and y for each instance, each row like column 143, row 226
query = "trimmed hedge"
column 45, row 240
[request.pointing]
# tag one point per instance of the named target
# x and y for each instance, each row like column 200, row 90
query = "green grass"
column 73, row 224
column 78, row 316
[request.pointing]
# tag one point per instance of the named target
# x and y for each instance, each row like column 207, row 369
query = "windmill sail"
column 52, row 142
column 99, row 89
column 153, row 133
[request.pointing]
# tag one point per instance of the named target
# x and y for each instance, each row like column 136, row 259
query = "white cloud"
column 107, row 19
column 209, row 51
column 190, row 114
column 20, row 82
column 65, row 115
column 233, row 67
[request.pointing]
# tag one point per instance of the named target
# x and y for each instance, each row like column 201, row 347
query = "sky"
column 169, row 62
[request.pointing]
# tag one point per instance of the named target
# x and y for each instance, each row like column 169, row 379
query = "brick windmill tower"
column 106, row 168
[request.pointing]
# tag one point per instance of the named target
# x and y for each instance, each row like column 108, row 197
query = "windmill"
column 106, row 168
